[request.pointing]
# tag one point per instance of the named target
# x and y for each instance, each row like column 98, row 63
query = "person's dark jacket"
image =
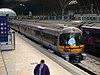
column 44, row 70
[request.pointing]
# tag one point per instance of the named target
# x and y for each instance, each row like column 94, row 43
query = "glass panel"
column 71, row 39
column 78, row 38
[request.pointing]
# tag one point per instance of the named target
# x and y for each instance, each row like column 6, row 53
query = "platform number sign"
column 4, row 28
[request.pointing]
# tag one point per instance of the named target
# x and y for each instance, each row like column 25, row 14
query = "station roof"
column 6, row 11
column 50, row 6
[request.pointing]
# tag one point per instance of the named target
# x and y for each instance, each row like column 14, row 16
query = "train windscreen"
column 71, row 39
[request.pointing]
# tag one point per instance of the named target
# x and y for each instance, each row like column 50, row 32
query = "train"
column 91, row 37
column 75, row 23
column 65, row 40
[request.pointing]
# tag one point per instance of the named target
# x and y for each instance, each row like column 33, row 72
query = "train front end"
column 71, row 46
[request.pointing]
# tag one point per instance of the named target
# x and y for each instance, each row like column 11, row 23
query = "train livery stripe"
column 71, row 49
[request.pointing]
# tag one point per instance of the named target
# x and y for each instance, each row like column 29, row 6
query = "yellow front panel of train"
column 71, row 49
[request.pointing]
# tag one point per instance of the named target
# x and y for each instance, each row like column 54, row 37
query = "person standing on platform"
column 41, row 69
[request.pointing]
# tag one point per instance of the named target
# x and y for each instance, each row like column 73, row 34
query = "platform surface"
column 24, row 58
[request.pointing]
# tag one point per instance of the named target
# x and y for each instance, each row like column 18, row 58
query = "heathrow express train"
column 64, row 40
column 91, row 37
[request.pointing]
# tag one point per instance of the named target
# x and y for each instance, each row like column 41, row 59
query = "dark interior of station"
column 51, row 7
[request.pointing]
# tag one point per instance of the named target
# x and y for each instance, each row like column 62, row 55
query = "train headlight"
column 84, row 56
column 67, row 58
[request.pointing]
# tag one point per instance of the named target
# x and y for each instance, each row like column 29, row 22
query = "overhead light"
column 22, row 5
column 72, row 2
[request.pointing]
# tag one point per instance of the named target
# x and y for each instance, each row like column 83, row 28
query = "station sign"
column 4, row 28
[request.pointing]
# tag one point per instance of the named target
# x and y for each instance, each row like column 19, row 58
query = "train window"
column 78, row 38
column 49, row 38
column 63, row 40
column 84, row 18
column 87, row 33
column 90, row 18
column 72, row 39
column 37, row 33
column 94, row 18
column 29, row 30
column 33, row 32
column 55, row 40
column 98, row 35
column 93, row 34
column 87, row 18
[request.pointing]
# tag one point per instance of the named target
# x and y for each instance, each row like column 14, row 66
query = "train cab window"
column 63, row 39
column 78, row 38
column 71, row 39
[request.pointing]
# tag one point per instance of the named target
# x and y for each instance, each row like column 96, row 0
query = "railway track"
column 86, row 70
column 91, row 63
column 89, row 70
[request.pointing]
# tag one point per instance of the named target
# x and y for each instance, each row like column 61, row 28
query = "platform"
column 28, row 54
column 24, row 58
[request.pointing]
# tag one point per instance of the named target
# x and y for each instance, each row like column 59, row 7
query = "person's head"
column 42, row 61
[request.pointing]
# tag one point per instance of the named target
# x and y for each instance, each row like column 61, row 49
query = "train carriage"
column 91, row 38
column 15, row 25
column 65, row 40
column 91, row 34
